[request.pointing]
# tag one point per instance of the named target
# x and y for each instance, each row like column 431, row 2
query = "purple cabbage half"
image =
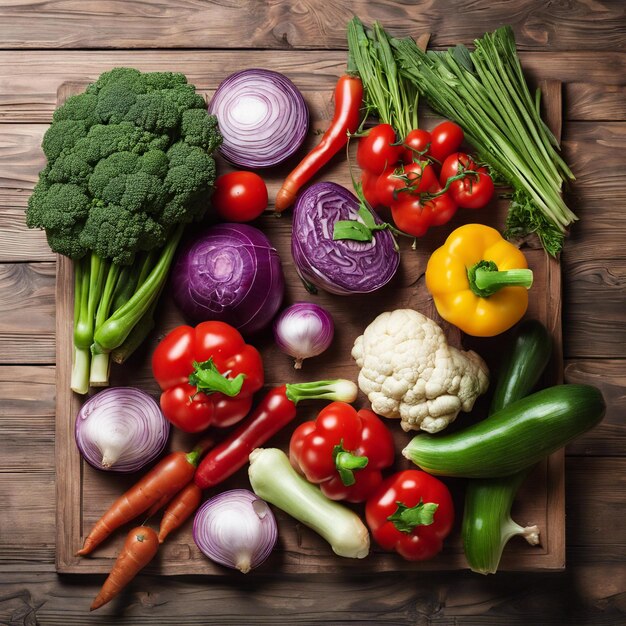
column 342, row 267
column 230, row 273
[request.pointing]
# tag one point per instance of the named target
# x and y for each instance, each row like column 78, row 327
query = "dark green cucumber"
column 514, row 438
column 487, row 524
column 523, row 364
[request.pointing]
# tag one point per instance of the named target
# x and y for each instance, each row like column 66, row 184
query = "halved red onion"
column 262, row 116
column 236, row 528
column 121, row 429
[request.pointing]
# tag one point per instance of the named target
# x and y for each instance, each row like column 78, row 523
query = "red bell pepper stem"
column 274, row 412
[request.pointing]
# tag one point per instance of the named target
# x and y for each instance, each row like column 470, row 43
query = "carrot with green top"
column 139, row 549
column 166, row 478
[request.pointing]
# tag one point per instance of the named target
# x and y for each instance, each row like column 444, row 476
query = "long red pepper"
column 346, row 118
column 274, row 412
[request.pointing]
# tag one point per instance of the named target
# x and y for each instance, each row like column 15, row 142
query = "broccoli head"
column 128, row 160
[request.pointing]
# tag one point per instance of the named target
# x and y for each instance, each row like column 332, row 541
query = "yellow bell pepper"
column 479, row 281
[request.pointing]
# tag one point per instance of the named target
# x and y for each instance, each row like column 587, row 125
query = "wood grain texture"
column 583, row 25
column 34, row 76
column 592, row 591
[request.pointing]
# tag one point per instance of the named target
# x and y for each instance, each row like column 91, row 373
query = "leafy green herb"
column 388, row 96
column 486, row 93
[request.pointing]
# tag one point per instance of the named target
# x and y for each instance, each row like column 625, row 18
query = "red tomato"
column 395, row 183
column 447, row 138
column 412, row 216
column 416, row 145
column 376, row 151
column 240, row 196
column 443, row 209
column 369, row 187
column 474, row 190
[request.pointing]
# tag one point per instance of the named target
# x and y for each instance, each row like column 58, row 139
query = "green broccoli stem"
column 89, row 281
column 119, row 325
column 137, row 335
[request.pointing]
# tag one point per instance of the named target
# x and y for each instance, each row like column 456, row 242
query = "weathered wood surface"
column 35, row 76
column 580, row 43
column 581, row 25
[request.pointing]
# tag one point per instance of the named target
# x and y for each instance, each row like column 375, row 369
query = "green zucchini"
column 487, row 523
column 514, row 438
column 523, row 364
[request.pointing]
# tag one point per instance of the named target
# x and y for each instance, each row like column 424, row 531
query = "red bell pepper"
column 412, row 513
column 208, row 375
column 343, row 451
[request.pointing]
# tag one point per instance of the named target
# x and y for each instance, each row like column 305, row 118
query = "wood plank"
column 609, row 375
column 586, row 101
column 30, row 79
column 588, row 596
column 594, row 308
column 314, row 24
column 27, row 313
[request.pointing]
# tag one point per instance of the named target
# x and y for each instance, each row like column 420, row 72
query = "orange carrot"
column 139, row 549
column 159, row 504
column 164, row 479
column 181, row 507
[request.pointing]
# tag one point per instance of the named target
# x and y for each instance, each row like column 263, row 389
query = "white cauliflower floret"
column 409, row 371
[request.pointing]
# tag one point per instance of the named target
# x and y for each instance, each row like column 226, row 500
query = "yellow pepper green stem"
column 479, row 281
column 485, row 278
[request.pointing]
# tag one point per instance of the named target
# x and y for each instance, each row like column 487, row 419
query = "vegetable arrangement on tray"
column 130, row 164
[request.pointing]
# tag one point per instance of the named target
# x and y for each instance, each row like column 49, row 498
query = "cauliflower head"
column 409, row 371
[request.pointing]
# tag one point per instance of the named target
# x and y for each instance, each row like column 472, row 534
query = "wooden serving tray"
column 84, row 493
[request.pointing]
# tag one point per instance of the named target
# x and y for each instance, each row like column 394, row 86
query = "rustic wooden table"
column 580, row 43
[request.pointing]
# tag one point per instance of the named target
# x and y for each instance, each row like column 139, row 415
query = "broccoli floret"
column 116, row 233
column 199, row 129
column 62, row 211
column 71, row 167
column 62, row 135
column 81, row 107
column 191, row 170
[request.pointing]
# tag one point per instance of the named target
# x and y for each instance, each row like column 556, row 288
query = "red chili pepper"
column 208, row 375
column 412, row 513
column 348, row 99
column 343, row 451
column 274, row 412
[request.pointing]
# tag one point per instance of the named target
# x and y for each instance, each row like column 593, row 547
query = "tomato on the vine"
column 446, row 138
column 239, row 196
column 416, row 145
column 369, row 184
column 396, row 183
column 443, row 208
column 475, row 189
column 412, row 216
column 376, row 150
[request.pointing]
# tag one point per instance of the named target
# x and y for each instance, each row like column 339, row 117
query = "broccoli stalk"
column 113, row 330
column 129, row 165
